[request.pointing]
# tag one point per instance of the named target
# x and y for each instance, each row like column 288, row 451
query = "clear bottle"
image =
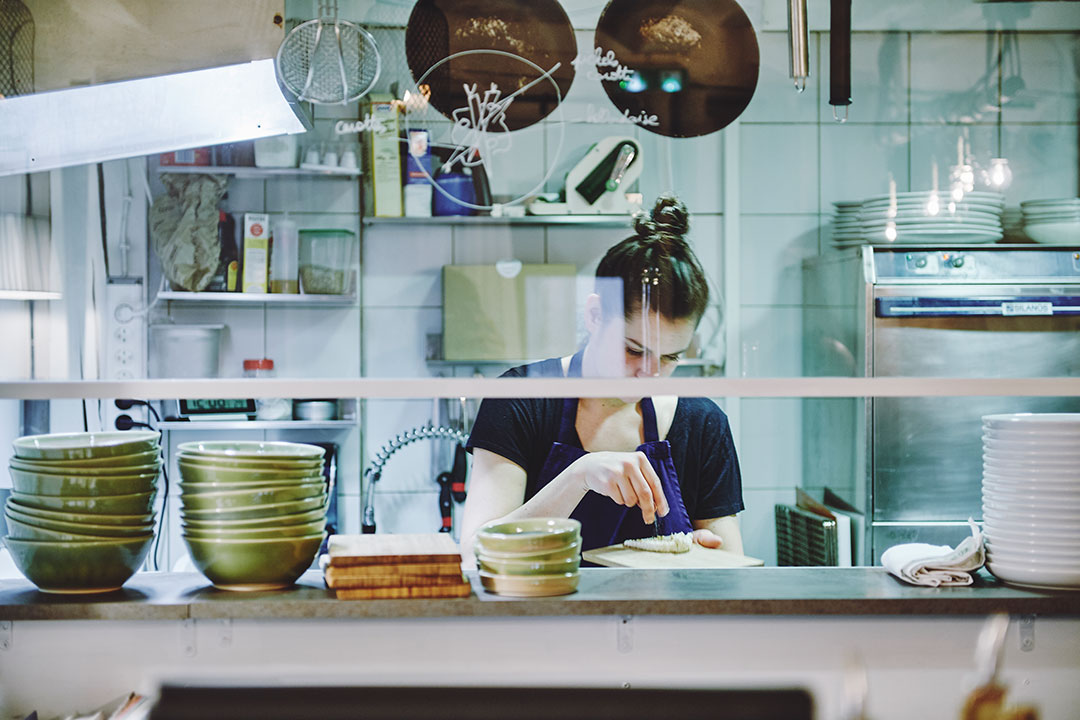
column 284, row 257
column 267, row 408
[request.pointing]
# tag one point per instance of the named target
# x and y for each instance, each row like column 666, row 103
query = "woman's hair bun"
column 669, row 220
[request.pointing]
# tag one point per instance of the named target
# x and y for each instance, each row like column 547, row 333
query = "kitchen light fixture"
column 81, row 125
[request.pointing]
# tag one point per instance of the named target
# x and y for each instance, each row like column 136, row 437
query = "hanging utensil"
column 514, row 38
column 840, row 57
column 685, row 68
column 798, row 44
column 328, row 61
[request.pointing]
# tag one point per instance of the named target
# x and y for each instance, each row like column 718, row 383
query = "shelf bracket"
column 1027, row 632
column 7, row 628
column 624, row 633
column 187, row 637
column 225, row 635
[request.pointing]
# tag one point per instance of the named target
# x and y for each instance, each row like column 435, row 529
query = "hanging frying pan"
column 693, row 64
column 537, row 31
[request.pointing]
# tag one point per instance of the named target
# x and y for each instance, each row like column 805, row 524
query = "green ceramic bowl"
column 84, row 464
column 92, row 518
column 260, row 564
column 274, row 532
column 26, row 531
column 95, row 566
column 244, row 464
column 42, row 484
column 77, row 446
column 193, row 472
column 572, row 550
column 112, row 471
column 252, row 450
column 257, row 523
column 527, row 567
column 63, row 526
column 134, row 504
column 252, row 512
column 248, row 498
column 195, row 488
column 529, row 535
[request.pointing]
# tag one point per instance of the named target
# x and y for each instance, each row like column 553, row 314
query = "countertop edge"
column 768, row 591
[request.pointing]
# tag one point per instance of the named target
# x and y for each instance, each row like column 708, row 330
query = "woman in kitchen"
column 625, row 467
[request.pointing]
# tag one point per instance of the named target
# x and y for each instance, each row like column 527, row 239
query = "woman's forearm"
column 556, row 499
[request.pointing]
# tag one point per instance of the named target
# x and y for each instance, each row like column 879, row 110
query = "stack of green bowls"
column 80, row 517
column 253, row 513
column 534, row 557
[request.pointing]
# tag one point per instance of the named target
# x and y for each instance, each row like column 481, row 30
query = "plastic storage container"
column 326, row 258
column 267, row 408
column 284, row 258
column 185, row 351
column 280, row 151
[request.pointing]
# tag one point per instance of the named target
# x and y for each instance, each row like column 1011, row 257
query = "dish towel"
column 937, row 565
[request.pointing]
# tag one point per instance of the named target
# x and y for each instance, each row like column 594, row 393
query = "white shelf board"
column 427, row 388
column 610, row 221
column 211, row 425
column 239, row 298
column 255, row 172
column 24, row 295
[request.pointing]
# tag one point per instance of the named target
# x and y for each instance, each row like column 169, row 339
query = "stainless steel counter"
column 603, row 591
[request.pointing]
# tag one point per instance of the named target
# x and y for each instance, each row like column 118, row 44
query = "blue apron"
column 603, row 521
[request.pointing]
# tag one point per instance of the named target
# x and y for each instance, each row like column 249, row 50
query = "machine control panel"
column 944, row 263
column 982, row 264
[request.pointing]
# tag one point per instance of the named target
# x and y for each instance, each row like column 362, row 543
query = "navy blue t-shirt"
column 522, row 430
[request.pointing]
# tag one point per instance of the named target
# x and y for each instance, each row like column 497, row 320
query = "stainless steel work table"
column 603, row 591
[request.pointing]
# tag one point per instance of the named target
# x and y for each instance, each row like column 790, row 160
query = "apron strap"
column 567, row 429
column 648, row 420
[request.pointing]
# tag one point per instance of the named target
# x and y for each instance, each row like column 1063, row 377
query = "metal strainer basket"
column 16, row 49
column 328, row 61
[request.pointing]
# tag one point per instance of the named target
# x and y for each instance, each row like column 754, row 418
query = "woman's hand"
column 627, row 478
column 707, row 538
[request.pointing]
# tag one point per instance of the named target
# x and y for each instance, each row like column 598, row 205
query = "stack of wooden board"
column 360, row 567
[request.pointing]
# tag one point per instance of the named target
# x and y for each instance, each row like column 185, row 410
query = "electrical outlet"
column 125, row 340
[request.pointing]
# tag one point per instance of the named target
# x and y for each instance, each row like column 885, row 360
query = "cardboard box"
column 384, row 158
column 256, row 253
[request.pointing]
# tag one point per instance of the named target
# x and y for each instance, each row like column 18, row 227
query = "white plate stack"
column 1054, row 222
column 847, row 231
column 1031, row 498
column 928, row 216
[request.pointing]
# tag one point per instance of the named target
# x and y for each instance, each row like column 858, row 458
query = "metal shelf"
column 607, row 221
column 255, row 172
column 211, row 425
column 237, row 298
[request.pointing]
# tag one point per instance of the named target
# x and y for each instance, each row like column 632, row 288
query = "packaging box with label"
column 384, row 158
column 256, row 261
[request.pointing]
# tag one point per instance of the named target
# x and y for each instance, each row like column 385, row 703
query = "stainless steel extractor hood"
column 140, row 117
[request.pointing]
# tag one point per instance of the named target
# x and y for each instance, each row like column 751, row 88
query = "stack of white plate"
column 1031, row 498
column 847, row 231
column 1055, row 222
column 932, row 217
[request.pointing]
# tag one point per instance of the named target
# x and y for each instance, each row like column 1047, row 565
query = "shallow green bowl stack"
column 532, row 557
column 253, row 513
column 80, row 517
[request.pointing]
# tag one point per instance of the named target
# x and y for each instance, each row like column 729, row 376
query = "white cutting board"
column 697, row 557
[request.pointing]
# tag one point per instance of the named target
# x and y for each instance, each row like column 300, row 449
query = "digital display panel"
column 216, row 406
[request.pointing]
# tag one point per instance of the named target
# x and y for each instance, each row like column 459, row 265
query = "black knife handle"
column 840, row 52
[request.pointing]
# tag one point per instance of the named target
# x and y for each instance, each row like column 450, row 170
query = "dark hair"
column 657, row 249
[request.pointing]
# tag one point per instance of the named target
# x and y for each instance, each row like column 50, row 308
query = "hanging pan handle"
column 840, row 57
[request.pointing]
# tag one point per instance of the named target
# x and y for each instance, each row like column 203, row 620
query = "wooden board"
column 404, row 569
column 460, row 590
column 337, row 581
column 697, row 557
column 350, row 550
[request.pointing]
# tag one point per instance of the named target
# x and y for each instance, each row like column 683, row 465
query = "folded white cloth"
column 937, row 565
